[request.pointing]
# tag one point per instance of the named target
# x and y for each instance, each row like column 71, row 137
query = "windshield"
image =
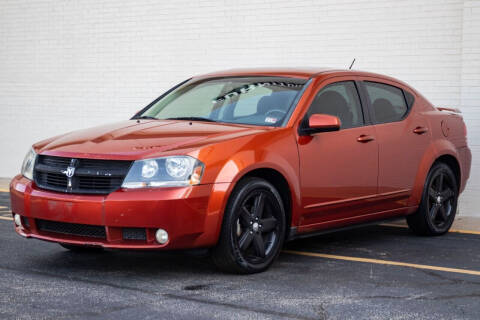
column 264, row 101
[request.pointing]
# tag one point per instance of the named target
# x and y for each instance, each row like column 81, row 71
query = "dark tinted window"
column 339, row 99
column 410, row 98
column 388, row 102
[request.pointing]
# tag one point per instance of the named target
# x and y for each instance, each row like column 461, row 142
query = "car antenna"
column 352, row 64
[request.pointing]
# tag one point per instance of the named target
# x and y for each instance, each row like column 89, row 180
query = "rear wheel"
column 253, row 228
column 76, row 248
column 438, row 207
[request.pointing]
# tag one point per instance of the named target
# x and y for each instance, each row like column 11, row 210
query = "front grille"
column 134, row 234
column 90, row 176
column 75, row 229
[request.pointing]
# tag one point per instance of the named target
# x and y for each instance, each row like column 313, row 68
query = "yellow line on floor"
column 6, row 218
column 451, row 230
column 465, row 231
column 4, row 190
column 384, row 262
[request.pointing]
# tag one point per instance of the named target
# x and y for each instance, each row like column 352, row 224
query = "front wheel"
column 253, row 228
column 438, row 206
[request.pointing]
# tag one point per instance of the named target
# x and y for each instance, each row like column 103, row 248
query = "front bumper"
column 191, row 215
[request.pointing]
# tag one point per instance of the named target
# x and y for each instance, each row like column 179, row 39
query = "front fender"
column 230, row 161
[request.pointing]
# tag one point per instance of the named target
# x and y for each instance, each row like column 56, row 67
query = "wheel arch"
column 441, row 151
column 281, row 184
column 453, row 163
column 278, row 179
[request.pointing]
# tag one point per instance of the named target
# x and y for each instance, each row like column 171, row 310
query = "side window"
column 388, row 102
column 409, row 97
column 339, row 99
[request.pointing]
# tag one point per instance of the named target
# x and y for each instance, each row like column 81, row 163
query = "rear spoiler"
column 449, row 109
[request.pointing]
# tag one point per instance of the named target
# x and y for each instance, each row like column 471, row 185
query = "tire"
column 438, row 205
column 253, row 228
column 81, row 249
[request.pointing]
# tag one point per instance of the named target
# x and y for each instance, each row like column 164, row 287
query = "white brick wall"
column 72, row 64
column 470, row 99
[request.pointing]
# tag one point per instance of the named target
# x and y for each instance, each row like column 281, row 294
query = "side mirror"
column 321, row 123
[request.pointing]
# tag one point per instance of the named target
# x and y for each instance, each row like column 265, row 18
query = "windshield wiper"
column 192, row 119
column 146, row 117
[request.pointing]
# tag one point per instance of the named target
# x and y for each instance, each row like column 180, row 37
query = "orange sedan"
column 243, row 160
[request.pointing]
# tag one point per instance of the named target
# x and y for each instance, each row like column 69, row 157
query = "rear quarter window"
column 388, row 102
column 410, row 98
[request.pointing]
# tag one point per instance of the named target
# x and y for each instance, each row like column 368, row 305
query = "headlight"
column 28, row 163
column 173, row 171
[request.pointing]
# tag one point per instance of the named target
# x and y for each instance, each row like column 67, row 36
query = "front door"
column 339, row 169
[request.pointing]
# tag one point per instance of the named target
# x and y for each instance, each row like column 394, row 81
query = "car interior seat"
column 384, row 110
column 333, row 103
column 280, row 100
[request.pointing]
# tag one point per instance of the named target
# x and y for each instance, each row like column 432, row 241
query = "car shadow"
column 362, row 236
column 125, row 263
column 175, row 263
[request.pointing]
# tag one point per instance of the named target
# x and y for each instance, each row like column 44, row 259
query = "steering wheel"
column 276, row 110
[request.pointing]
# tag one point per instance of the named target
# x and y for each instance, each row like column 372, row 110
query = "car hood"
column 134, row 139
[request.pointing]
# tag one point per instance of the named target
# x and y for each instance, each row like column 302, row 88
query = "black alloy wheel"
column 256, row 227
column 253, row 228
column 438, row 207
column 440, row 199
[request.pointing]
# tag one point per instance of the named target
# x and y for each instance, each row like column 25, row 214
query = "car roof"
column 278, row 72
column 302, row 72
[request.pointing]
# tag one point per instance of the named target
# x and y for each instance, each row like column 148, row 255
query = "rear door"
column 338, row 170
column 402, row 136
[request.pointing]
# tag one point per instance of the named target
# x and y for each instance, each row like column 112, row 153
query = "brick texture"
column 72, row 64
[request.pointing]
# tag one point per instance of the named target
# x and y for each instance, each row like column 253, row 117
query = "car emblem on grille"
column 69, row 172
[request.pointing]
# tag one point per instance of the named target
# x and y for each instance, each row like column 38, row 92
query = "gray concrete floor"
column 41, row 280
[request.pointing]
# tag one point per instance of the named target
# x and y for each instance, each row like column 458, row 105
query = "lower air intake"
column 134, row 234
column 74, row 229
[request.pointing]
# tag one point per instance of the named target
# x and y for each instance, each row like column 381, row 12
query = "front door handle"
column 365, row 138
column 420, row 130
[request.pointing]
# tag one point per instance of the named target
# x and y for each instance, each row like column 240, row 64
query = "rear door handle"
column 365, row 138
column 420, row 130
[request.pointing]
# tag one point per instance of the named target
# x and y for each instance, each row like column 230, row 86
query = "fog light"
column 161, row 236
column 17, row 219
